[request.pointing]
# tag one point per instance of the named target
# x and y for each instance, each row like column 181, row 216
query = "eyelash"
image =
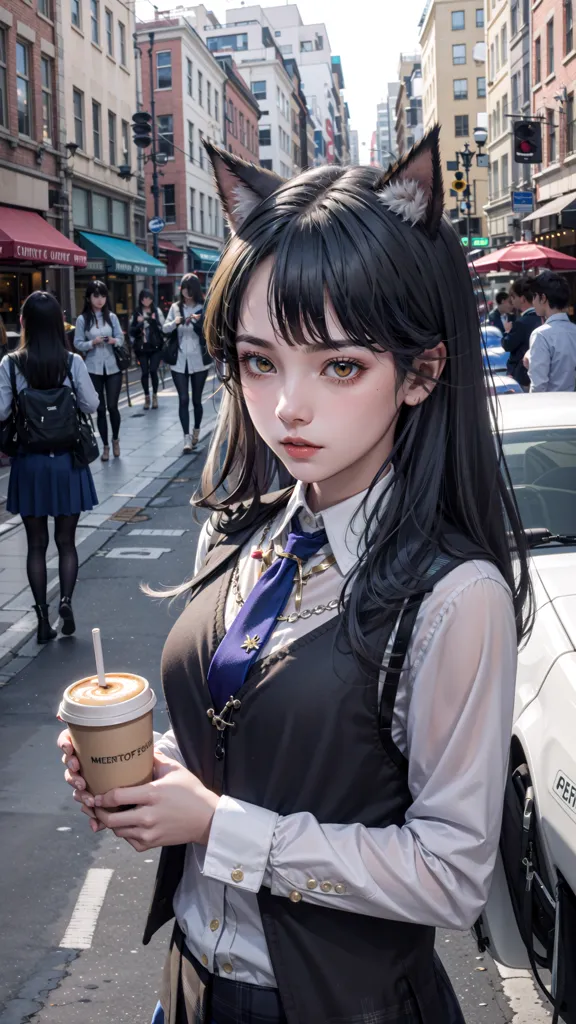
column 245, row 358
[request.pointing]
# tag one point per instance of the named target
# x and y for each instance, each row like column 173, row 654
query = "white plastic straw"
column 99, row 657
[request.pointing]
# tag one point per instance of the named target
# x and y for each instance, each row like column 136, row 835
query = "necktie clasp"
column 219, row 721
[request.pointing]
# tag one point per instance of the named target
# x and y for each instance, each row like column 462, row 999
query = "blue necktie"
column 257, row 618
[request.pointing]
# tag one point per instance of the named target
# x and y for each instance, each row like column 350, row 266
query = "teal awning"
column 120, row 256
column 208, row 258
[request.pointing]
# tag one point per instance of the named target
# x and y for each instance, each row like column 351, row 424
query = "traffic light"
column 142, row 129
column 459, row 183
column 527, row 142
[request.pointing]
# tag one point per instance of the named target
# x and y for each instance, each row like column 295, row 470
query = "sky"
column 368, row 35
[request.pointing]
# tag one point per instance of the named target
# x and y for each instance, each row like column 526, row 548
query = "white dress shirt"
column 552, row 355
column 452, row 720
column 190, row 352
column 100, row 359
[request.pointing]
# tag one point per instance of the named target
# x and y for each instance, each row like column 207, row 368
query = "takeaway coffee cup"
column 111, row 729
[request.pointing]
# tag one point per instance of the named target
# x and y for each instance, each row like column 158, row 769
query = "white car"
column 530, row 918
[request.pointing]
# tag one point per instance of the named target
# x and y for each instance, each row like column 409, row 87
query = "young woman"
column 97, row 332
column 43, row 485
column 190, row 372
column 341, row 682
column 148, row 341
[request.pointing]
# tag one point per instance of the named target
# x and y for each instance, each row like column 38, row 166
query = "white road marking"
column 523, row 996
column 137, row 552
column 157, row 533
column 80, row 931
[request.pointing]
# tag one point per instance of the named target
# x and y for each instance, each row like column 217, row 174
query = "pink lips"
column 299, row 447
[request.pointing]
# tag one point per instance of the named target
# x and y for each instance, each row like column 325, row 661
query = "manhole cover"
column 129, row 515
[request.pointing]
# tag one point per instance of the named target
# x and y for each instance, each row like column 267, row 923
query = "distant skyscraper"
column 354, row 147
column 386, row 126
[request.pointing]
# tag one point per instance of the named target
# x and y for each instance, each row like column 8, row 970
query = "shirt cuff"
column 239, row 844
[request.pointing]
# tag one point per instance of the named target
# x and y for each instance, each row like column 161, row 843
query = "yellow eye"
column 342, row 369
column 259, row 365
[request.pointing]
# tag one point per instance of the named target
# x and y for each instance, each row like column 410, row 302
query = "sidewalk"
column 151, row 446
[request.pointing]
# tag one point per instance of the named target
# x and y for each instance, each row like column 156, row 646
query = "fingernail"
column 88, row 801
column 97, row 801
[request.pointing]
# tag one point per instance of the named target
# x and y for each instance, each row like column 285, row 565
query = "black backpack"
column 46, row 421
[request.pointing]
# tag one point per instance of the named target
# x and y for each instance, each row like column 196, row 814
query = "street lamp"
column 480, row 136
column 466, row 156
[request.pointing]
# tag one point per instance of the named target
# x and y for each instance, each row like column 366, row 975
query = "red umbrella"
column 521, row 256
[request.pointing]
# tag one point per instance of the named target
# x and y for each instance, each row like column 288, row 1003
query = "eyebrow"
column 310, row 346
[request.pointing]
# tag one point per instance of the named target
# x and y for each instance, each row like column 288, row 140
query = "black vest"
column 309, row 736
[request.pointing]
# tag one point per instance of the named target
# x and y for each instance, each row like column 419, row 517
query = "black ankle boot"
column 67, row 616
column 45, row 631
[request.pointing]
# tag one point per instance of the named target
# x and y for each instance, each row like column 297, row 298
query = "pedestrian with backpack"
column 42, row 387
column 99, row 337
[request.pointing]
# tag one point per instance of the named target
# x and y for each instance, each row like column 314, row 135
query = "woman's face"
column 146, row 302
column 98, row 301
column 184, row 294
column 328, row 414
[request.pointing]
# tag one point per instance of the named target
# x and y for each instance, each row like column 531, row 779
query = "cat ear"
column 241, row 186
column 412, row 188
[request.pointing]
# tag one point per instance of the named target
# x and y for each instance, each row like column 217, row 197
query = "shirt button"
column 340, row 889
column 295, row 896
column 227, row 968
column 237, row 875
column 214, row 925
column 204, row 959
column 326, row 886
column 311, row 883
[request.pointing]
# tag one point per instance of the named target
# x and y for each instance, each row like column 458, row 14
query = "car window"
column 542, row 468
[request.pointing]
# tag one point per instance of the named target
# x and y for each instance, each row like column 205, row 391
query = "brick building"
column 34, row 252
column 241, row 113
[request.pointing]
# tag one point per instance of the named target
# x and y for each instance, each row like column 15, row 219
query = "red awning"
column 169, row 247
column 25, row 235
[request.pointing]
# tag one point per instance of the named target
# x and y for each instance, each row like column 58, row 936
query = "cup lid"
column 112, row 714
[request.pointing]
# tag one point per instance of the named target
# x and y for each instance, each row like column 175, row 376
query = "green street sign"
column 477, row 243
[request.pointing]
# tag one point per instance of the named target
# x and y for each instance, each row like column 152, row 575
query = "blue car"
column 493, row 355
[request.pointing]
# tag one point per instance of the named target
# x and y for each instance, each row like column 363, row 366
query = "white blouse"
column 452, row 720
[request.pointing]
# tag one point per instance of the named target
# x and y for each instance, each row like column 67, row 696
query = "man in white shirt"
column 551, row 359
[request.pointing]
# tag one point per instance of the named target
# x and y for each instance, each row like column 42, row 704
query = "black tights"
column 64, row 536
column 149, row 363
column 108, row 386
column 198, row 381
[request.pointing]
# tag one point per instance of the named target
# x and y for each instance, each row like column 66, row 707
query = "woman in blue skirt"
column 48, row 484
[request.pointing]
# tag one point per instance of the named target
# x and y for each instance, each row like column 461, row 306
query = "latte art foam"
column 120, row 687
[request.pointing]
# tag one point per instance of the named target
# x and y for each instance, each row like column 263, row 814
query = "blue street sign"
column 522, row 202
column 156, row 224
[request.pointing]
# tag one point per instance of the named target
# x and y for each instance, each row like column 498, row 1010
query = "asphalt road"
column 47, row 848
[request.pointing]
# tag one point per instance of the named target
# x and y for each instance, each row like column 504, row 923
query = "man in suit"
column 502, row 312
column 516, row 339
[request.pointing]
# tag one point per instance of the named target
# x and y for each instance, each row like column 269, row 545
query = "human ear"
column 426, row 371
column 241, row 186
column 412, row 188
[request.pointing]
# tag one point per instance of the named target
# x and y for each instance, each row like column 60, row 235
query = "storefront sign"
column 38, row 254
column 523, row 202
column 96, row 265
column 477, row 243
column 139, row 268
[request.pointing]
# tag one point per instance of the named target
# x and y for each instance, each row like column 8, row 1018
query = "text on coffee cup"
column 128, row 756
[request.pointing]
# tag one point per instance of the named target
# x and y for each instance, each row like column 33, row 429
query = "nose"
column 294, row 407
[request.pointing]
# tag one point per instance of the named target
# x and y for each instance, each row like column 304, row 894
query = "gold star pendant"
column 251, row 643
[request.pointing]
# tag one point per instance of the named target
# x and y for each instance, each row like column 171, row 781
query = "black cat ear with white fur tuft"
column 413, row 188
column 241, row 186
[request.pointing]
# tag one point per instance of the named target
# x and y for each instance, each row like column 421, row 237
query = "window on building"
column 81, row 207
column 537, row 61
column 526, row 85
column 306, row 46
column 122, row 41
column 100, row 212
column 495, row 180
column 550, row 46
column 23, row 89
column 504, row 45
column 191, row 142
column 479, row 17
column 192, row 209
column 504, row 174
column 209, row 98
column 460, row 88
column 109, row 26
column 189, row 74
column 112, row 138
column 514, row 17
column 165, row 124
column 481, row 87
column 125, row 142
column 3, row 80
column 568, row 26
column 458, row 21
column 96, row 130
column 169, row 203
column 200, row 89
column 265, row 136
column 47, row 77
column 459, row 53
column 216, row 105
column 119, row 218
column 551, row 125
column 44, row 8
column 210, row 216
column 202, row 213
column 76, row 12
column 95, row 20
column 515, row 92
column 259, row 90
column 216, row 218
column 164, row 69
column 461, row 129
column 223, row 44
column 242, row 129
column 570, row 124
column 78, row 106
column 492, row 64
column 286, row 50
column 201, row 150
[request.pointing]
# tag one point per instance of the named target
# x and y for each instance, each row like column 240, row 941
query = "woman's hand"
column 139, row 318
column 98, row 340
column 176, row 808
column 178, row 320
column 73, row 778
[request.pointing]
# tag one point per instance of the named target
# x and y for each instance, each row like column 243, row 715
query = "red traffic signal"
column 527, row 142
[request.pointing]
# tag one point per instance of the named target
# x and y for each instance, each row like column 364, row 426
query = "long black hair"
column 96, row 288
column 194, row 290
column 145, row 294
column 42, row 354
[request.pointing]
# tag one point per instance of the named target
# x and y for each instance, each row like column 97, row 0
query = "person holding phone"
column 97, row 333
column 190, row 372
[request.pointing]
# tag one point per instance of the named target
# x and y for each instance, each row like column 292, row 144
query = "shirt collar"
column 344, row 523
column 527, row 311
column 557, row 316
